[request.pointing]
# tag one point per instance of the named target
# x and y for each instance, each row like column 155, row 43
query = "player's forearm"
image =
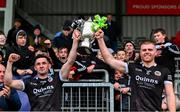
column 108, row 57
column 71, row 59
column 104, row 50
column 73, row 53
column 171, row 102
column 8, row 74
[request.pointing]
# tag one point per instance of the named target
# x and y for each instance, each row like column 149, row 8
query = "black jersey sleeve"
column 130, row 68
column 167, row 75
column 26, row 82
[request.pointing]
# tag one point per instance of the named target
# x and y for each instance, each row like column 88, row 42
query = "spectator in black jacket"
column 11, row 36
column 166, row 51
column 63, row 38
column 22, row 66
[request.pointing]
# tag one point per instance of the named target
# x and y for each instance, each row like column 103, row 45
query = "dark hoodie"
column 26, row 55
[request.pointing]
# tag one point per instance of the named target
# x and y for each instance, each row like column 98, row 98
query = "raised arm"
column 170, row 97
column 109, row 59
column 8, row 78
column 72, row 55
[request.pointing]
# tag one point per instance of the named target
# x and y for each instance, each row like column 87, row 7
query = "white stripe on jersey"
column 168, row 82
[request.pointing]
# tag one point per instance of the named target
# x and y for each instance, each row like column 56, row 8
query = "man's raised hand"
column 99, row 34
column 13, row 57
column 76, row 35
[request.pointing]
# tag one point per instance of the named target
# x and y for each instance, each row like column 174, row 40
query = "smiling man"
column 148, row 79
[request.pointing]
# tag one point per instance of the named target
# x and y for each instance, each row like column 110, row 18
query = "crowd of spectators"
column 31, row 61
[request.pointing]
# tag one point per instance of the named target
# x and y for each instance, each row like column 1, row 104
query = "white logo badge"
column 157, row 73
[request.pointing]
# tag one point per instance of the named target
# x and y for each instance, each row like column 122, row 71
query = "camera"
column 77, row 24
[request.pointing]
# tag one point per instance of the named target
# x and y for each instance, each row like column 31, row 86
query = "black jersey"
column 44, row 94
column 147, row 85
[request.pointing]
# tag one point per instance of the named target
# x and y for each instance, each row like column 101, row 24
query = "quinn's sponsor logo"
column 145, row 79
column 35, row 91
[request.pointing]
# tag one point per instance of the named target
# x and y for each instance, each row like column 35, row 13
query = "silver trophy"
column 86, row 35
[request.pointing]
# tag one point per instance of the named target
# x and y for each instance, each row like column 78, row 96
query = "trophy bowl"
column 85, row 45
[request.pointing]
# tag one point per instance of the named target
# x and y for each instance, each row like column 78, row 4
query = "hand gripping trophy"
column 87, row 29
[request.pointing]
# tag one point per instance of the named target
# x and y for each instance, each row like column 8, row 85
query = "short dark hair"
column 129, row 41
column 37, row 27
column 63, row 47
column 18, row 20
column 147, row 42
column 120, row 49
column 42, row 56
column 163, row 31
column 22, row 34
column 67, row 25
column 2, row 33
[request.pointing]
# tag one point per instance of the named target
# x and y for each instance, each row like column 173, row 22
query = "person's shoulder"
column 13, row 91
column 30, row 79
column 11, row 30
column 58, row 34
column 163, row 68
column 132, row 63
column 173, row 48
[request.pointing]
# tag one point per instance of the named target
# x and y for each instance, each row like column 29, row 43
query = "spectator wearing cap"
column 11, row 36
column 63, row 38
column 38, row 39
column 129, row 48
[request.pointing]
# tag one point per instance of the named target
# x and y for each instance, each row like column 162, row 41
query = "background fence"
column 89, row 97
column 97, row 95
